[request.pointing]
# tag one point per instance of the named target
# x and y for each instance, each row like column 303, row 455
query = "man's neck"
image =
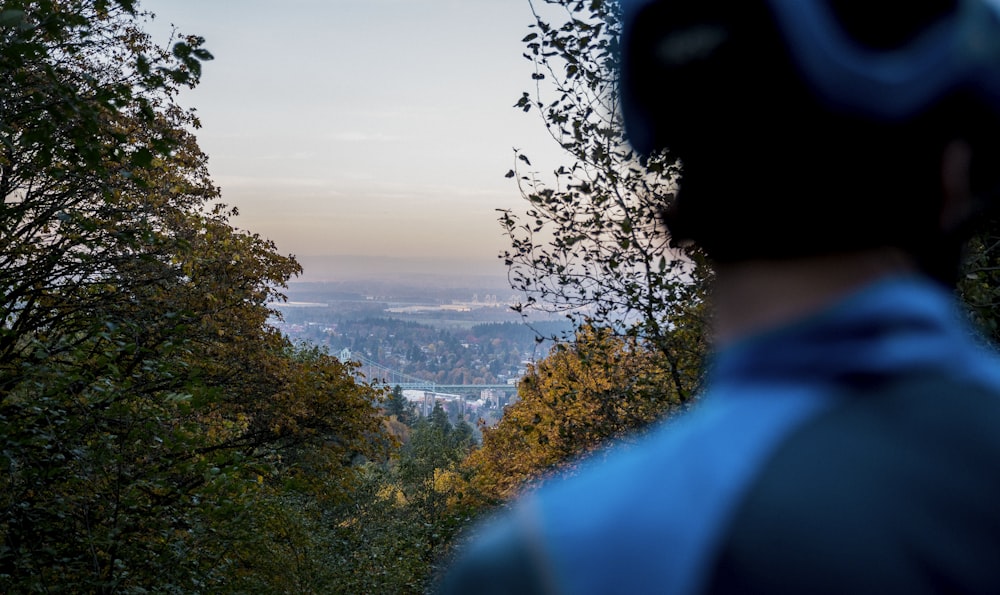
column 752, row 296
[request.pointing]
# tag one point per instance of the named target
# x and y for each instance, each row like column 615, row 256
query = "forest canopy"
column 153, row 426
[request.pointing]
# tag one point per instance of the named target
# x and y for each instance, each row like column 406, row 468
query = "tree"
column 597, row 389
column 591, row 243
column 86, row 109
column 398, row 407
column 147, row 407
column 397, row 529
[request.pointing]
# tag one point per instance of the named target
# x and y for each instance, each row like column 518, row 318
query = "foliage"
column 597, row 389
column 397, row 407
column 979, row 284
column 591, row 243
column 147, row 409
column 399, row 525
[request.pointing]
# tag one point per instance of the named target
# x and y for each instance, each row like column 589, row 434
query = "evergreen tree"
column 398, row 407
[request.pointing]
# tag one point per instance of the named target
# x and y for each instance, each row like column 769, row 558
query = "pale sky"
column 371, row 127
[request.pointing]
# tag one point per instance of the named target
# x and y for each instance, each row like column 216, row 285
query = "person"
column 834, row 155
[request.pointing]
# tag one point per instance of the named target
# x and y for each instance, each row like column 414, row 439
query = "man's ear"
column 957, row 204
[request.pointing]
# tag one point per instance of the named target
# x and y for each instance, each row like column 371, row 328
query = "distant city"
column 451, row 340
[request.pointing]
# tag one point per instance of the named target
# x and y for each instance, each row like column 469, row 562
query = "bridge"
column 371, row 371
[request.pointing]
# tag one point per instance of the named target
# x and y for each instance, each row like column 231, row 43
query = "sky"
column 369, row 128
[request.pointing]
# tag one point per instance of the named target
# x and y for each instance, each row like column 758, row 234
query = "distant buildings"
column 495, row 398
column 457, row 405
column 424, row 401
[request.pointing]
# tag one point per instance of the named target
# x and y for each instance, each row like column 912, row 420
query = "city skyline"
column 373, row 128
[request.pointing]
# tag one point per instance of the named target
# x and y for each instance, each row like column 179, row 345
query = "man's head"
column 810, row 127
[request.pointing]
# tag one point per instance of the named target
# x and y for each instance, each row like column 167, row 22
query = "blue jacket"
column 854, row 451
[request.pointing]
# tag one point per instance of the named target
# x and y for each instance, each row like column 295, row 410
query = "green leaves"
column 146, row 406
column 142, row 158
column 191, row 55
column 12, row 18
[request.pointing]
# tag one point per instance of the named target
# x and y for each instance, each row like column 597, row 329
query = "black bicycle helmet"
column 958, row 51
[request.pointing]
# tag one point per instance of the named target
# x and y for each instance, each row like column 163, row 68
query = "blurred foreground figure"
column 834, row 154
